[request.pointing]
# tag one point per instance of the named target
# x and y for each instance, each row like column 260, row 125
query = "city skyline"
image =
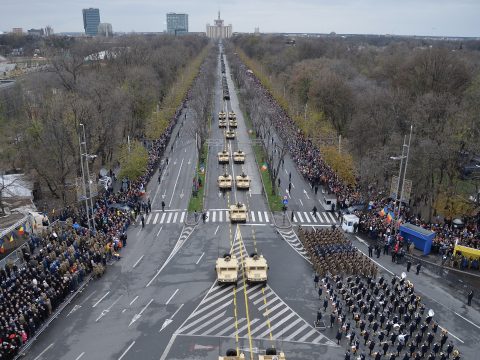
column 410, row 17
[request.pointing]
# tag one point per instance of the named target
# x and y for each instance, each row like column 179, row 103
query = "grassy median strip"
column 196, row 200
column 274, row 200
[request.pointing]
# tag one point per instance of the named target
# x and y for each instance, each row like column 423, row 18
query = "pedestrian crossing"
column 257, row 217
column 269, row 314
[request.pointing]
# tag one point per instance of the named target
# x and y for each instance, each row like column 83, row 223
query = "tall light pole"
column 405, row 170
column 84, row 153
column 401, row 157
column 402, row 174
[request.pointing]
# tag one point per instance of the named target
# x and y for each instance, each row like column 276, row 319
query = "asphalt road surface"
column 162, row 301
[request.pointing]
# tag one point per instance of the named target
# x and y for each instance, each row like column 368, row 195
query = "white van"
column 348, row 222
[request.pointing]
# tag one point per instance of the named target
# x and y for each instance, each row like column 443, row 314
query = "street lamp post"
column 402, row 171
column 405, row 170
column 84, row 153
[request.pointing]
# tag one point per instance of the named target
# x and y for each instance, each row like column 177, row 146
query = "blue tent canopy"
column 421, row 238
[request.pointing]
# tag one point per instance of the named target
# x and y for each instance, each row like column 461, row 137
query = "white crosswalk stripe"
column 266, row 216
column 255, row 217
column 148, row 219
column 306, row 216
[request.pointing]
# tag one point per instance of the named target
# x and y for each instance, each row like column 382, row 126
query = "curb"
column 289, row 226
column 194, row 223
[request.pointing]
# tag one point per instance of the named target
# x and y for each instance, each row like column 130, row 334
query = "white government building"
column 219, row 30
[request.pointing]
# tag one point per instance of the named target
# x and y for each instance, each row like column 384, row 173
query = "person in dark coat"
column 419, row 266
column 371, row 346
column 339, row 336
column 332, row 320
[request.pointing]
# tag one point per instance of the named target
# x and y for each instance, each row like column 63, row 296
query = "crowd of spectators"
column 310, row 163
column 58, row 260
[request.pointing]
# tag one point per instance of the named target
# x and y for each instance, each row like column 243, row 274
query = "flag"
column 11, row 237
column 389, row 217
column 21, row 231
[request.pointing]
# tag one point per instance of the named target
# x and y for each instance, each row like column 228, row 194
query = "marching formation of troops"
column 330, row 251
column 382, row 319
column 376, row 318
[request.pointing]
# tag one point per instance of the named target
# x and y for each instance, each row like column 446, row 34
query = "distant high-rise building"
column 105, row 29
column 18, row 31
column 177, row 23
column 219, row 30
column 91, row 20
column 36, row 32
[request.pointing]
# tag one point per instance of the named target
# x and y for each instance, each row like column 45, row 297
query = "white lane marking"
column 149, row 217
column 141, row 257
column 169, row 218
column 179, row 244
column 266, row 217
column 301, row 202
column 176, row 181
column 175, row 218
column 107, row 310
column 44, row 351
column 253, row 215
column 227, row 216
column 170, row 319
column 160, row 230
column 80, row 356
column 125, row 352
column 217, row 227
column 103, row 297
column 169, row 346
column 88, row 297
column 162, row 218
column 306, row 194
column 200, row 258
column 450, row 333
column 171, row 297
column 156, row 218
column 220, row 216
column 182, row 217
column 214, row 214
column 259, row 216
column 131, row 302
column 361, row 240
column 478, row 327
column 207, row 217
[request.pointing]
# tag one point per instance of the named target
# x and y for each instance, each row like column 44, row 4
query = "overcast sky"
column 409, row 17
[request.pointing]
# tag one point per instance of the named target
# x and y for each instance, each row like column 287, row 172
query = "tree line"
column 113, row 87
column 370, row 90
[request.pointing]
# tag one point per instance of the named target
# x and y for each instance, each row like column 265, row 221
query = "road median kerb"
column 284, row 227
column 193, row 223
